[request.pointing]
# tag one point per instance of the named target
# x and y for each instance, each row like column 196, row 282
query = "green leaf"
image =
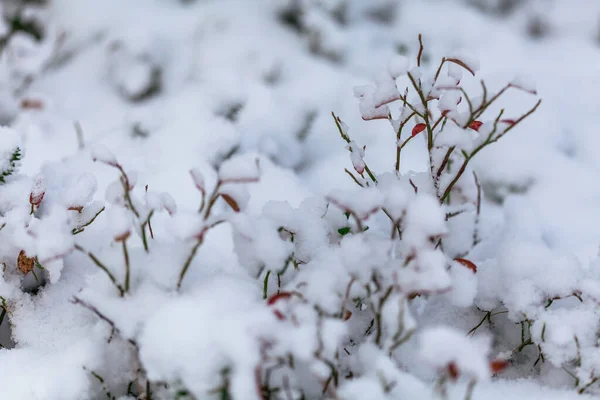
column 344, row 231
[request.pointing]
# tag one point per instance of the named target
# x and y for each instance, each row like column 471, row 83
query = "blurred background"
column 174, row 84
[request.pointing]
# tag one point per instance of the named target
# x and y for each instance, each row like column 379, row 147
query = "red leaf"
column 418, row 129
column 459, row 100
column 347, row 315
column 498, row 365
column 475, row 125
column 508, row 121
column 467, row 264
column 279, row 315
column 453, row 370
column 276, row 297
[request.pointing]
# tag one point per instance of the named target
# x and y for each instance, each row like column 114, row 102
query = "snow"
column 398, row 66
column 296, row 267
column 442, row 346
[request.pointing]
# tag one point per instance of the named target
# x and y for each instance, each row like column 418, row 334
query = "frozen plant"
column 317, row 301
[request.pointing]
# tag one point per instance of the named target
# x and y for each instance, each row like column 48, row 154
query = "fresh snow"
column 181, row 215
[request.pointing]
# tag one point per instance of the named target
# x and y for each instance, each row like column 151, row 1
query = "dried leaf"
column 347, row 315
column 24, row 263
column 231, row 202
column 32, row 104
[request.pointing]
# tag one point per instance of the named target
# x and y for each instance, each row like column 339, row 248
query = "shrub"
column 325, row 299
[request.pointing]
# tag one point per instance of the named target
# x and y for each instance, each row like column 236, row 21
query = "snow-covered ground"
column 169, row 86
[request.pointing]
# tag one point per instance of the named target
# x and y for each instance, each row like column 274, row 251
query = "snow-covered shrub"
column 322, row 300
column 323, row 22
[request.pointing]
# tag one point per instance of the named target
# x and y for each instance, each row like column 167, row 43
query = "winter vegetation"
column 299, row 199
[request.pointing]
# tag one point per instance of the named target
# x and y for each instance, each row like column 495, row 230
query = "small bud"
column 37, row 193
